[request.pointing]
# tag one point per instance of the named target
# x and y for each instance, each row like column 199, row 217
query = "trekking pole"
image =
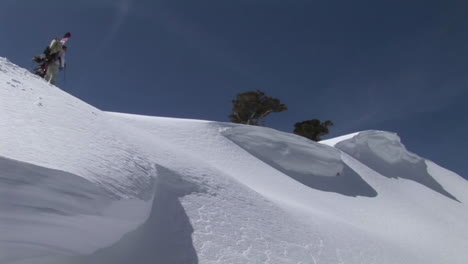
column 32, row 66
column 65, row 77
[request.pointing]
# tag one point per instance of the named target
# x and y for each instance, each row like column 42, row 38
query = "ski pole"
column 65, row 77
column 32, row 66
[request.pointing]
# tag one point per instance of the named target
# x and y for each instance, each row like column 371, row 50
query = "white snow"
column 79, row 185
column 333, row 141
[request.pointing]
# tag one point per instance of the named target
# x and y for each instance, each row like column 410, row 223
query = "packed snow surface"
column 79, row 185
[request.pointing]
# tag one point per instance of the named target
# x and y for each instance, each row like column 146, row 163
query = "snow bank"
column 79, row 185
column 48, row 127
column 312, row 164
column 46, row 211
column 384, row 153
column 70, row 183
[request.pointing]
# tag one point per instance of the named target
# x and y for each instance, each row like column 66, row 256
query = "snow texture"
column 79, row 185
column 383, row 152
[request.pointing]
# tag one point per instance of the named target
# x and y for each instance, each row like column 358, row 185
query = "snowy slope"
column 79, row 185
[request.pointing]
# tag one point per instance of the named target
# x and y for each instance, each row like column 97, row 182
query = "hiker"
column 52, row 60
column 55, row 63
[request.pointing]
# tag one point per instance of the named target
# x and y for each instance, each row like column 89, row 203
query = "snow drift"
column 79, row 185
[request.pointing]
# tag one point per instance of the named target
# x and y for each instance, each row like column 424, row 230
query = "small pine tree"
column 312, row 129
column 251, row 108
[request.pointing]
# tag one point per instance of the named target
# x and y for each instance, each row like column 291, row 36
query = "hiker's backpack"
column 53, row 50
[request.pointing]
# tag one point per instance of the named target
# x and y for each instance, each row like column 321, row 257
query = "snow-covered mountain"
column 79, row 185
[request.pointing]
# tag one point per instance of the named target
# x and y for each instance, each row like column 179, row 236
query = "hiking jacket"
column 57, row 48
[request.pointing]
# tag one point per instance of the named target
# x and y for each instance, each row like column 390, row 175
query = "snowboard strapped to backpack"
column 50, row 54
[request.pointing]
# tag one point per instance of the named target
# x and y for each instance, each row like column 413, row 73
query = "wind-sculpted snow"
column 83, row 186
column 383, row 152
column 312, row 164
column 47, row 212
column 166, row 235
column 55, row 130
column 219, row 222
column 450, row 181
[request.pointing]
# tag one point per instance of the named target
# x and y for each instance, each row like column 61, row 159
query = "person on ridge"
column 52, row 60
column 55, row 64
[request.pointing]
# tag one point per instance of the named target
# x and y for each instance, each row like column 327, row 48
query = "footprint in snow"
column 39, row 103
column 12, row 85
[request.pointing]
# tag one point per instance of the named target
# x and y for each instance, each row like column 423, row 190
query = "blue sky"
column 387, row 65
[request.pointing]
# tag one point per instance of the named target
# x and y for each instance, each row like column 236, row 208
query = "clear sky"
column 394, row 65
